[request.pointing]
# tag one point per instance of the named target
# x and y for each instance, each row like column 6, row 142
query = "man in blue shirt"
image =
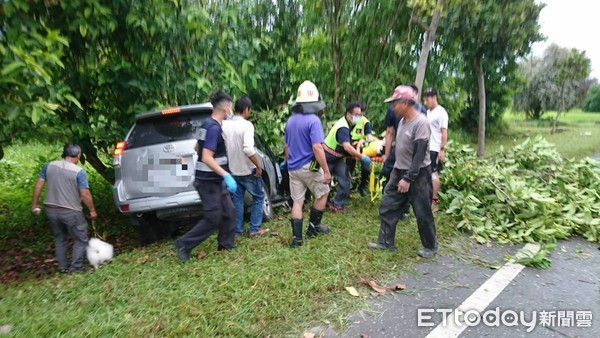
column 211, row 171
column 306, row 161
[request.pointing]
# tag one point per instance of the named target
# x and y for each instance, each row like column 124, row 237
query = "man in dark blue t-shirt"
column 211, row 171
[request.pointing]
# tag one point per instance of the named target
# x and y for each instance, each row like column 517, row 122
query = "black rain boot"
column 315, row 227
column 296, row 232
column 364, row 179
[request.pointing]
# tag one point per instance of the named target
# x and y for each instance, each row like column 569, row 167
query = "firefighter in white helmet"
column 306, row 162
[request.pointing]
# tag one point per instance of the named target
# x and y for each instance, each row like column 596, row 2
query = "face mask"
column 230, row 115
column 355, row 119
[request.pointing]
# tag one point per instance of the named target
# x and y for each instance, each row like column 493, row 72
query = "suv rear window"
column 167, row 128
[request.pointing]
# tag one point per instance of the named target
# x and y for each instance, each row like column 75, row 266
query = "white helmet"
column 308, row 100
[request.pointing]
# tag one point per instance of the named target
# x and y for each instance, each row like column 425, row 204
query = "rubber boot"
column 364, row 179
column 296, row 232
column 315, row 227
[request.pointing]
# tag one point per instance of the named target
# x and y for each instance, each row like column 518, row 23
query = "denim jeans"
column 254, row 187
column 339, row 170
column 394, row 203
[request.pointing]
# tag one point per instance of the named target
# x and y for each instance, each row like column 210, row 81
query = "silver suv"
column 155, row 166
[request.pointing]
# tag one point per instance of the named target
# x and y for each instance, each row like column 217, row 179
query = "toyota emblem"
column 169, row 148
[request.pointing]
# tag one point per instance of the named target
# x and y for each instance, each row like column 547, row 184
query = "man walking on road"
column 410, row 179
column 67, row 187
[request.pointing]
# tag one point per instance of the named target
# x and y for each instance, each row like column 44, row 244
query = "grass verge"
column 261, row 288
column 578, row 136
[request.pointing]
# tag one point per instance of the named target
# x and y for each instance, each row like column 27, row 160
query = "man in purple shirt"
column 306, row 161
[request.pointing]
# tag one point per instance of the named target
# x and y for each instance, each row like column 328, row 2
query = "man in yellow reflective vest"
column 360, row 133
column 337, row 147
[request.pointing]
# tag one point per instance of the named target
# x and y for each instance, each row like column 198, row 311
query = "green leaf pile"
column 526, row 194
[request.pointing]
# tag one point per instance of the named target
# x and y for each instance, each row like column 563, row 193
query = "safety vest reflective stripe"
column 203, row 167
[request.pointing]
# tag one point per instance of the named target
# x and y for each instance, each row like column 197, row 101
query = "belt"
column 331, row 151
column 52, row 206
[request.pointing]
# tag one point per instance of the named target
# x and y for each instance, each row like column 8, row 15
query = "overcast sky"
column 572, row 24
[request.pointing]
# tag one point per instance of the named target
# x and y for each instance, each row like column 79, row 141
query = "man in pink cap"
column 410, row 180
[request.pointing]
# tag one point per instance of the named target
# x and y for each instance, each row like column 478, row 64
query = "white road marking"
column 481, row 298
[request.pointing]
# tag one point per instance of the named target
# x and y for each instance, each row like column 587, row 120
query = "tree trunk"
column 481, row 86
column 91, row 156
column 427, row 42
column 560, row 110
column 336, row 58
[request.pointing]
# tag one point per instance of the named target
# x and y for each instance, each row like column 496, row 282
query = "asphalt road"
column 558, row 302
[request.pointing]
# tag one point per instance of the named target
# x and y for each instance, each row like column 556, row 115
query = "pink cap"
column 402, row 93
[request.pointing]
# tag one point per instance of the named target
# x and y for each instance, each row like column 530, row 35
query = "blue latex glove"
column 366, row 160
column 283, row 165
column 230, row 183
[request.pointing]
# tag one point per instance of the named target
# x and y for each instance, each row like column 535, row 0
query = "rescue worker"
column 337, row 147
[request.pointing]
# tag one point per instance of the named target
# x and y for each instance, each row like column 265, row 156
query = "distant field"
column 579, row 135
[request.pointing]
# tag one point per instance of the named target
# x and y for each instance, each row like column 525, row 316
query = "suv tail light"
column 118, row 152
column 119, row 148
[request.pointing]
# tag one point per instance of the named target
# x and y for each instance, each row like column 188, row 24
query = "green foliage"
column 494, row 34
column 527, row 194
column 270, row 125
column 91, row 66
column 539, row 259
column 592, row 100
column 30, row 57
column 559, row 78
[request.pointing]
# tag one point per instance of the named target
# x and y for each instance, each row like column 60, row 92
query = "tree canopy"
column 81, row 70
column 557, row 81
column 592, row 100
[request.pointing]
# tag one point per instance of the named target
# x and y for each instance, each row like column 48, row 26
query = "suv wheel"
column 151, row 229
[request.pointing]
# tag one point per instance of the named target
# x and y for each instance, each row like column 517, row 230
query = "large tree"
column 559, row 77
column 126, row 57
column 429, row 35
column 491, row 35
column 575, row 67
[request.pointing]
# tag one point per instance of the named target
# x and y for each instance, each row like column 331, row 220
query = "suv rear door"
column 160, row 159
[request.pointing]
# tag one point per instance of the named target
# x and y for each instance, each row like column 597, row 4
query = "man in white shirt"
column 245, row 167
column 438, row 122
